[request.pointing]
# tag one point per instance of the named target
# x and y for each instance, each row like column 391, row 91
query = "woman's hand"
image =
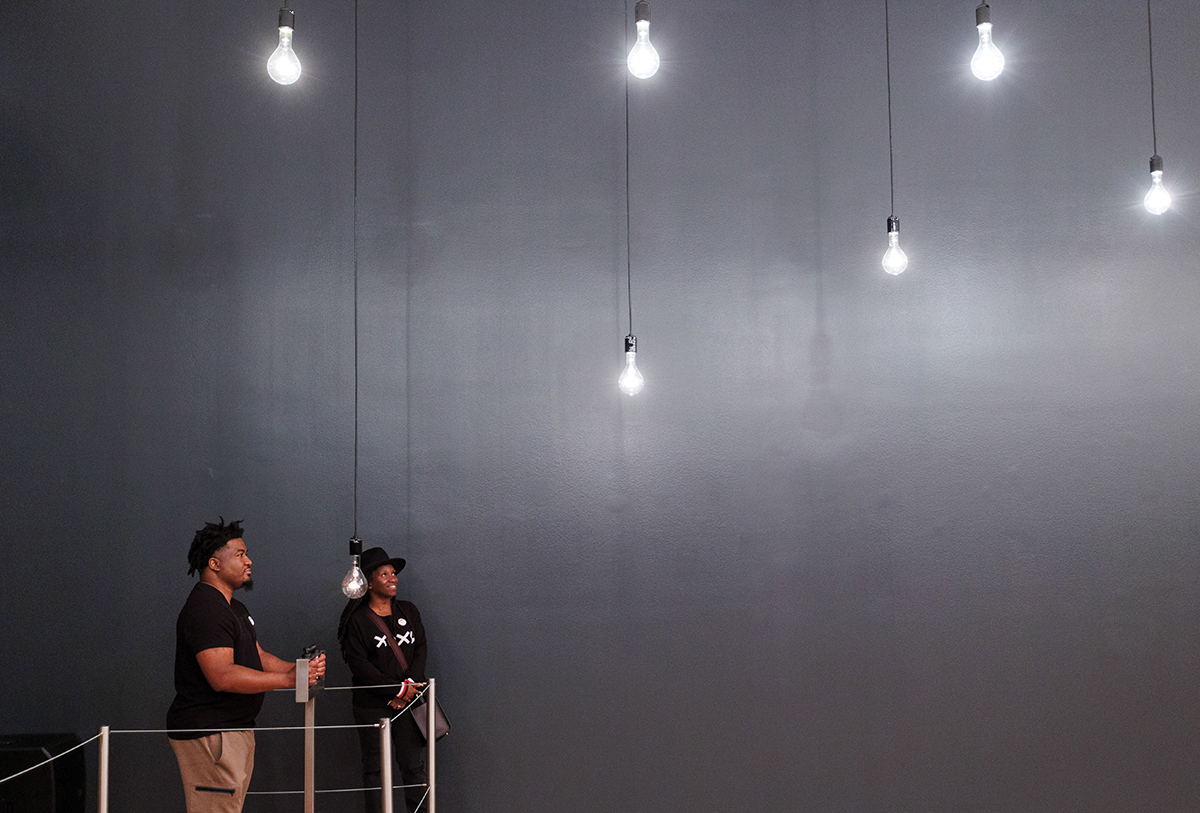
column 405, row 696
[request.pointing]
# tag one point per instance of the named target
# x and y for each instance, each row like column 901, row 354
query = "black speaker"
column 57, row 787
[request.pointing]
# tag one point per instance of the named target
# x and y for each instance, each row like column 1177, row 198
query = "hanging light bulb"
column 894, row 259
column 631, row 381
column 643, row 59
column 988, row 61
column 1158, row 199
column 354, row 585
column 284, row 66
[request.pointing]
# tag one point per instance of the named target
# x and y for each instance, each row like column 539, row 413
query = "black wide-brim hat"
column 377, row 557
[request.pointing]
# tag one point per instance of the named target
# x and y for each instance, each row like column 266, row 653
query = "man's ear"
column 214, row 563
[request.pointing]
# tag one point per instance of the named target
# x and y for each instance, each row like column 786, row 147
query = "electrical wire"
column 628, row 249
column 887, row 33
column 1150, row 38
column 355, row 269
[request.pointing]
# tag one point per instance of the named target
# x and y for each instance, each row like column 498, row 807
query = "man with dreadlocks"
column 221, row 674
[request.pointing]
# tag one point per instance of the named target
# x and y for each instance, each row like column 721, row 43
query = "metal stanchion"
column 102, row 806
column 431, row 729
column 308, row 696
column 385, row 763
column 310, row 786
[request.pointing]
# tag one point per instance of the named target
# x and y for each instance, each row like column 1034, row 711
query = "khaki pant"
column 216, row 770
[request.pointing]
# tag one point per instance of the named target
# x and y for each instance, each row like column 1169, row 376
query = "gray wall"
column 862, row 544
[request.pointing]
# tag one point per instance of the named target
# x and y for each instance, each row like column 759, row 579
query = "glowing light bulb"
column 988, row 61
column 354, row 585
column 894, row 259
column 1158, row 199
column 284, row 65
column 631, row 381
column 643, row 59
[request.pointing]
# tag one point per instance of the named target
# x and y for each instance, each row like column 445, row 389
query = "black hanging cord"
column 1150, row 37
column 628, row 263
column 887, row 32
column 355, row 269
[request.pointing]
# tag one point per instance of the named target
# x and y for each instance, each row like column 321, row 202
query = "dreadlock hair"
column 344, row 622
column 210, row 539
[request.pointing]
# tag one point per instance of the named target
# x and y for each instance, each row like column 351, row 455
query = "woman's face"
column 383, row 582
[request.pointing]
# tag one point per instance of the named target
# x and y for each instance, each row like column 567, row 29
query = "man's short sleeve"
column 208, row 624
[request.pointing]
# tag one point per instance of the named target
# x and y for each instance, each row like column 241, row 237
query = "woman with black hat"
column 366, row 625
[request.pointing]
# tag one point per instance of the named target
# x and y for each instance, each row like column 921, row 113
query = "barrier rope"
column 220, row 730
column 424, row 796
column 47, row 761
column 407, row 708
column 348, row 688
column 330, row 790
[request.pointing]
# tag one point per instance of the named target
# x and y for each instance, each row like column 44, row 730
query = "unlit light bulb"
column 354, row 585
column 1158, row 199
column 643, row 59
column 988, row 61
column 284, row 65
column 894, row 259
column 631, row 381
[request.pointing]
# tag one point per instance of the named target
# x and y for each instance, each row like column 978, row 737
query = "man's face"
column 232, row 564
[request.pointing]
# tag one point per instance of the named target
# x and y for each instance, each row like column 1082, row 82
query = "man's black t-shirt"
column 207, row 621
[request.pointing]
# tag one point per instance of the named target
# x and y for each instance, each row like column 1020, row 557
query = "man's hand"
column 316, row 669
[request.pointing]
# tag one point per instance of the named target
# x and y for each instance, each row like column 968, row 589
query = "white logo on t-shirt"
column 380, row 641
column 406, row 638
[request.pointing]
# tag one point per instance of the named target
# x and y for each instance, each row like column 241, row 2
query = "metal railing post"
column 102, row 805
column 308, row 696
column 310, row 785
column 431, row 729
column 385, row 764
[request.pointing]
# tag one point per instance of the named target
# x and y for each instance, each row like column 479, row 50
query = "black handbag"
column 441, row 725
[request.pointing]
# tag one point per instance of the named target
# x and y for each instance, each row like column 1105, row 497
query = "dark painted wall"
column 862, row 544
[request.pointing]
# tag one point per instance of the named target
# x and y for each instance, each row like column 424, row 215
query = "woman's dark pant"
column 408, row 753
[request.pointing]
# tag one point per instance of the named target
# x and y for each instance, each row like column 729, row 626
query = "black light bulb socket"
column 983, row 14
column 1156, row 163
column 287, row 18
column 355, row 546
column 631, row 343
column 641, row 12
column 893, row 224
